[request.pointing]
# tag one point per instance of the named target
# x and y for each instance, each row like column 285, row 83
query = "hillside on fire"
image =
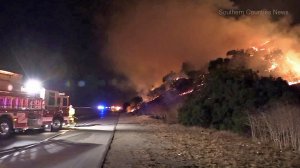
column 253, row 92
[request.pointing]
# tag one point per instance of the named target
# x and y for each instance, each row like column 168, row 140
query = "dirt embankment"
column 141, row 141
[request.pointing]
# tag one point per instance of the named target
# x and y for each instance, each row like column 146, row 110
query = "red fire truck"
column 21, row 110
column 56, row 113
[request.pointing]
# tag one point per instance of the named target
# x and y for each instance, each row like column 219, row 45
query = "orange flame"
column 289, row 67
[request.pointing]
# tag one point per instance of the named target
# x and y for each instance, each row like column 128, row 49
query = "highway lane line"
column 25, row 147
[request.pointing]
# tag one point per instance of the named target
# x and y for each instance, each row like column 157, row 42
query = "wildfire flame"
column 285, row 65
column 273, row 66
column 187, row 92
column 294, row 64
column 294, row 82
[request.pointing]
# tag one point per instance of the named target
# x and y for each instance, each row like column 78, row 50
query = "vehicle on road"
column 19, row 112
column 56, row 113
column 30, row 106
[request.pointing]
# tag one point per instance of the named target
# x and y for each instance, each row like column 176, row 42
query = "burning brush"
column 269, row 60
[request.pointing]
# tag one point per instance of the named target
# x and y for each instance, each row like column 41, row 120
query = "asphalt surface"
column 83, row 146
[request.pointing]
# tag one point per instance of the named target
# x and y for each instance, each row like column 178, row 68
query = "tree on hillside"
column 156, row 91
column 169, row 77
column 227, row 93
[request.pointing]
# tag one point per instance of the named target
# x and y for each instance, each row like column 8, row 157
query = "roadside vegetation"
column 278, row 123
column 229, row 95
column 238, row 99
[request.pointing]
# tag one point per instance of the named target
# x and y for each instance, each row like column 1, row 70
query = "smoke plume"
column 148, row 39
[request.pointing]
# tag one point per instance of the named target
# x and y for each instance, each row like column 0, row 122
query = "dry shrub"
column 279, row 123
column 164, row 107
column 172, row 113
column 167, row 112
column 157, row 111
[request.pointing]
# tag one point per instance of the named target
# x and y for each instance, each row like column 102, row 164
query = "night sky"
column 60, row 42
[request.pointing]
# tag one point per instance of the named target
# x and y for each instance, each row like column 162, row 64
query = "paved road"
column 82, row 146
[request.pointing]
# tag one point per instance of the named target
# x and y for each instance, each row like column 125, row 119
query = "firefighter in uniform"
column 71, row 114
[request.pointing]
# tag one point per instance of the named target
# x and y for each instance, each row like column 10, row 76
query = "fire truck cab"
column 56, row 112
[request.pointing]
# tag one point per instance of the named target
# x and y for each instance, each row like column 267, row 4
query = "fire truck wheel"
column 6, row 128
column 56, row 125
